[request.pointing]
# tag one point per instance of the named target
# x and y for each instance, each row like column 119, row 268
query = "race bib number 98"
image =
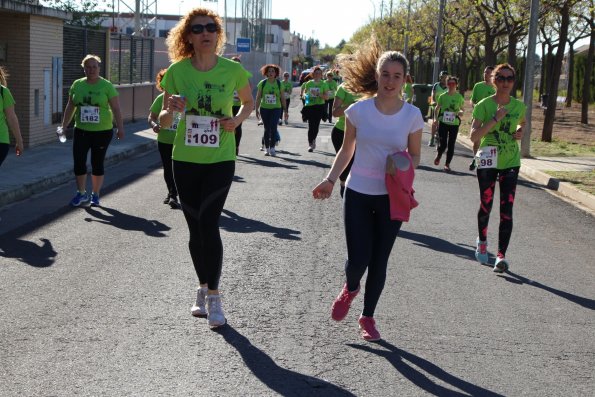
column 487, row 157
column 202, row 131
column 90, row 114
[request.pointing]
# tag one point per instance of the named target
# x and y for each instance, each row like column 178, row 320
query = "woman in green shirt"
column 270, row 102
column 199, row 87
column 287, row 87
column 314, row 94
column 498, row 123
column 330, row 93
column 8, row 120
column 94, row 103
column 449, row 109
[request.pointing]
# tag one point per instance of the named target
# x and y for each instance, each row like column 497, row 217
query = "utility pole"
column 529, row 78
column 407, row 29
column 438, row 43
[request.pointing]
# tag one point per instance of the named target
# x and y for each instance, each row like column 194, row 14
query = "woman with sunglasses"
column 314, row 94
column 498, row 123
column 199, row 85
column 449, row 109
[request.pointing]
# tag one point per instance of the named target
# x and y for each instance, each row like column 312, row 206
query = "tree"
column 588, row 68
column 84, row 12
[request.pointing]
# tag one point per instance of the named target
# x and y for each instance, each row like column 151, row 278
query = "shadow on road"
column 411, row 367
column 265, row 163
column 518, row 279
column 28, row 251
column 124, row 221
column 281, row 380
column 438, row 244
column 234, row 223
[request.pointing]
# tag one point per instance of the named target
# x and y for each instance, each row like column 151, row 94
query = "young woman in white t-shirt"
column 379, row 125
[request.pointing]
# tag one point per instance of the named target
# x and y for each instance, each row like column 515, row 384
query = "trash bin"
column 421, row 96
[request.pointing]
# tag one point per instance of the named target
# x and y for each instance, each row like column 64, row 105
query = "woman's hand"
column 501, row 112
column 120, row 133
column 228, row 124
column 323, row 190
column 518, row 134
column 156, row 128
column 176, row 103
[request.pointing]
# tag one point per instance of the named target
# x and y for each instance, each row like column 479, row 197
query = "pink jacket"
column 399, row 183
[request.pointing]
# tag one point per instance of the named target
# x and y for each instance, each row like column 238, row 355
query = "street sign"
column 243, row 44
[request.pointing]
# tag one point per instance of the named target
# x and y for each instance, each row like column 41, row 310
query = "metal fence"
column 131, row 59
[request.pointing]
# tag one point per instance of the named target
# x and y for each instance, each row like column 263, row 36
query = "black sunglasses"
column 502, row 79
column 198, row 28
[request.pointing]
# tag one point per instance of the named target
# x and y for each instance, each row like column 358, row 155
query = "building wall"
column 46, row 34
column 14, row 32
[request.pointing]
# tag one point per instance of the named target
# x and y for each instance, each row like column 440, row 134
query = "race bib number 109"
column 487, row 157
column 202, row 131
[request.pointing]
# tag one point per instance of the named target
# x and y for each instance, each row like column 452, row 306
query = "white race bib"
column 270, row 99
column 448, row 117
column 330, row 94
column 315, row 92
column 202, row 131
column 487, row 157
column 90, row 114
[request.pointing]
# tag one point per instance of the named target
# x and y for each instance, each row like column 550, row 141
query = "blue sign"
column 243, row 44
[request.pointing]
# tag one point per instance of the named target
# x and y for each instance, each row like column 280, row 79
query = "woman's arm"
column 479, row 129
column 257, row 101
column 114, row 103
column 414, row 147
column 170, row 105
column 153, row 120
column 338, row 109
column 68, row 113
column 13, row 126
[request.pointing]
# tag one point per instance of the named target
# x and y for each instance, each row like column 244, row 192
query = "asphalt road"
column 96, row 302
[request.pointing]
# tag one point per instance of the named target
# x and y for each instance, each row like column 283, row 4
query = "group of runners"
column 198, row 117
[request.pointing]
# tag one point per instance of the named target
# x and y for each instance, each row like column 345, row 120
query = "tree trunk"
column 490, row 54
column 512, row 44
column 570, row 75
column 463, row 64
column 588, row 73
column 542, row 73
column 550, row 114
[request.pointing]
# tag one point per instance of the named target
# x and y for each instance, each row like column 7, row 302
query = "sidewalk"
column 46, row 166
column 534, row 170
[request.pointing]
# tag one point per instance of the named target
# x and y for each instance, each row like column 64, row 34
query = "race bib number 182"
column 487, row 157
column 202, row 131
column 90, row 114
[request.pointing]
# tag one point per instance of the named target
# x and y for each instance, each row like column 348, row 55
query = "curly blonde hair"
column 359, row 69
column 177, row 43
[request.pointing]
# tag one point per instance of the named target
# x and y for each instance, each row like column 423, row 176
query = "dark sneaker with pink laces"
column 367, row 326
column 342, row 303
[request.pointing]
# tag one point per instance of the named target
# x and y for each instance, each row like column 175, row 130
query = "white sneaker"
column 215, row 316
column 199, row 308
column 273, row 152
column 268, row 152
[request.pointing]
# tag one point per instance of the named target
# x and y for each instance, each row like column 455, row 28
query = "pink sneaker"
column 367, row 325
column 341, row 305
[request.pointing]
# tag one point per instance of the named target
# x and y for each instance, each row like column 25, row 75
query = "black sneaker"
column 472, row 166
column 174, row 203
column 166, row 199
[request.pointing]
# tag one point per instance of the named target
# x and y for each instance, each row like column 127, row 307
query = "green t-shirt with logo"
column 449, row 108
column 287, row 87
column 347, row 98
column 166, row 135
column 93, row 112
column 6, row 101
column 481, row 91
column 331, row 88
column 208, row 94
column 501, row 135
column 437, row 91
column 270, row 94
column 313, row 91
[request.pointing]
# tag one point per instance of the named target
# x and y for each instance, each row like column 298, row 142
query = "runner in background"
column 287, row 87
column 94, row 103
column 199, row 87
column 498, row 123
column 408, row 89
column 449, row 110
column 8, row 120
column 314, row 94
column 438, row 89
column 330, row 93
column 343, row 99
column 236, row 108
column 270, row 103
column 481, row 90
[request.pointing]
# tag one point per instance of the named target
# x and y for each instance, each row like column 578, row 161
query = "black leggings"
column 203, row 189
column 97, row 142
column 4, row 148
column 507, row 179
column 314, row 113
column 234, row 111
column 328, row 110
column 165, row 150
column 370, row 235
column 337, row 137
column 448, row 137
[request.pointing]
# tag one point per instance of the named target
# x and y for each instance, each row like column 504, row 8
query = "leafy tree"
column 84, row 12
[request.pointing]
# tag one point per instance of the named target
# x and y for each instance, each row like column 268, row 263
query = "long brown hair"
column 3, row 75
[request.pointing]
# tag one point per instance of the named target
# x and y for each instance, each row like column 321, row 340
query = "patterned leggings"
column 507, row 179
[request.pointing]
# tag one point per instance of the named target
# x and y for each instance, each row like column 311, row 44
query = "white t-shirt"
column 378, row 135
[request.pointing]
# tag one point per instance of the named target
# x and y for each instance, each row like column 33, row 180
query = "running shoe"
column 310, row 148
column 174, row 203
column 273, row 152
column 95, row 199
column 481, row 252
column 215, row 316
column 280, row 122
column 501, row 264
column 81, row 199
column 431, row 143
column 262, row 148
column 447, row 168
column 199, row 309
column 268, row 152
column 437, row 159
column 342, row 303
column 472, row 166
column 368, row 330
column 286, row 122
column 166, row 199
